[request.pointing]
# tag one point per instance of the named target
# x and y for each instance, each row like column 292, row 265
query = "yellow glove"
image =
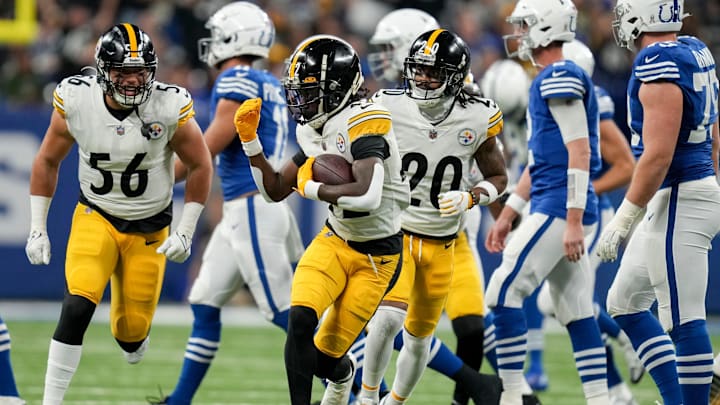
column 306, row 187
column 247, row 118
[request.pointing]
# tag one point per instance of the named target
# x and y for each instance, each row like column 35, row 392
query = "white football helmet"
column 579, row 53
column 393, row 36
column 507, row 83
column 239, row 28
column 538, row 23
column 633, row 17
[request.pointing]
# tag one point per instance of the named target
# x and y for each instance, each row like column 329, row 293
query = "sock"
column 694, row 360
column 200, row 351
column 300, row 354
column 7, row 378
column 656, row 351
column 281, row 319
column 607, row 325
column 411, row 363
column 383, row 328
column 489, row 341
column 442, row 359
column 511, row 336
column 470, row 331
column 613, row 375
column 589, row 352
column 535, row 338
column 63, row 360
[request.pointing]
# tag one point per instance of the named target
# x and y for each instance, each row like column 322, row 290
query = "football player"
column 673, row 198
column 8, row 389
column 617, row 168
column 549, row 243
column 393, row 36
column 349, row 266
column 440, row 129
column 256, row 241
column 127, row 127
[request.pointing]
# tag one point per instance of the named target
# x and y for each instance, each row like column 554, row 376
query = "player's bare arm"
column 495, row 240
column 190, row 147
column 663, row 109
column 491, row 163
column 574, row 238
column 218, row 134
column 616, row 152
column 363, row 172
column 54, row 148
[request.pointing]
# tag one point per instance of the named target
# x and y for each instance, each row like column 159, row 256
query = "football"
column 332, row 169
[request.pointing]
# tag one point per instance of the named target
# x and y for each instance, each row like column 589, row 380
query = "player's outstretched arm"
column 43, row 181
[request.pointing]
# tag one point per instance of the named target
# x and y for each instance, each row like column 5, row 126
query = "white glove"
column 617, row 230
column 176, row 247
column 37, row 248
column 454, row 202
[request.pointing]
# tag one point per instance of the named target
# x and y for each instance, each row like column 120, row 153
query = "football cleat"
column 531, row 399
column 11, row 400
column 538, row 381
column 158, row 400
column 620, row 394
column 636, row 368
column 137, row 355
column 338, row 392
column 715, row 390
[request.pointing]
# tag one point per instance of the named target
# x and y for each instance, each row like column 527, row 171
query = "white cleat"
column 137, row 355
column 338, row 393
column 621, row 395
column 635, row 366
column 11, row 401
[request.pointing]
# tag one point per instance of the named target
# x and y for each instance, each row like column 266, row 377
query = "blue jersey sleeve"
column 657, row 63
column 563, row 80
column 606, row 106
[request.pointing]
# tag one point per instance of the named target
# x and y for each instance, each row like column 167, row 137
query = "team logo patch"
column 153, row 130
column 466, row 136
column 120, row 130
column 340, row 143
column 432, row 134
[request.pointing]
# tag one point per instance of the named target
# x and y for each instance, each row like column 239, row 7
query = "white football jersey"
column 359, row 119
column 437, row 158
column 125, row 171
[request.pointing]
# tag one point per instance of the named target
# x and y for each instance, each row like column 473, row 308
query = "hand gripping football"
column 332, row 170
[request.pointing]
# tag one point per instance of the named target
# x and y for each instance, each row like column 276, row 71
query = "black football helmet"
column 440, row 56
column 126, row 47
column 321, row 76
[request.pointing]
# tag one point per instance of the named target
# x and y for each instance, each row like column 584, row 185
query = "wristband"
column 311, row 189
column 516, row 202
column 252, row 148
column 491, row 190
column 577, row 188
column 188, row 220
column 39, row 207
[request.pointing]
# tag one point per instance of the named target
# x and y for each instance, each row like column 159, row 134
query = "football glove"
column 454, row 202
column 306, row 186
column 37, row 248
column 247, row 118
column 176, row 247
column 617, row 230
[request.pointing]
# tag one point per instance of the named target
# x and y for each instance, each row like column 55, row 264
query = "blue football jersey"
column 240, row 83
column 548, row 157
column 689, row 64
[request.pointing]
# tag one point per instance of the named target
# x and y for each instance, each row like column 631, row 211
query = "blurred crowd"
column 68, row 30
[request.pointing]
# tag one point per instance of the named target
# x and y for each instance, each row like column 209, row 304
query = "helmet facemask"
column 422, row 76
column 382, row 62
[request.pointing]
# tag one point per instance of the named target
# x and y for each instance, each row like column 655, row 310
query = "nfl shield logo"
column 120, row 130
column 432, row 134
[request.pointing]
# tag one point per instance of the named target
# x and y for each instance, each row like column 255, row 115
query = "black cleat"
column 531, row 399
column 158, row 400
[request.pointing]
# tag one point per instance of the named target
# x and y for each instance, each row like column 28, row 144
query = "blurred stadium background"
column 42, row 41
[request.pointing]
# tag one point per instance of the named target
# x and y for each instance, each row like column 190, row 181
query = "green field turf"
column 249, row 369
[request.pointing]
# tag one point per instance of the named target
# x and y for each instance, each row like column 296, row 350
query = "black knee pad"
column 332, row 368
column 469, row 326
column 75, row 317
column 302, row 322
